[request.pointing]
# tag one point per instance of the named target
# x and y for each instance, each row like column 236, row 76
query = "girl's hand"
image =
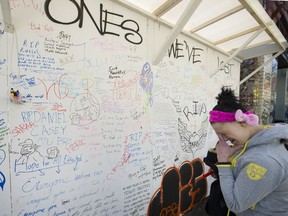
column 224, row 151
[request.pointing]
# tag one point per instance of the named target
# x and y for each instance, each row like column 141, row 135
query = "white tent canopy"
column 240, row 29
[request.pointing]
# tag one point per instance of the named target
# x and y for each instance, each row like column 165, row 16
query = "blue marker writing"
column 2, row 180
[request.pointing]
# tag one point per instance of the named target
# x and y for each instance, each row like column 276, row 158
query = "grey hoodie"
column 257, row 182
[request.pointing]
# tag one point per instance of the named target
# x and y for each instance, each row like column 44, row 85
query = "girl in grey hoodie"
column 254, row 171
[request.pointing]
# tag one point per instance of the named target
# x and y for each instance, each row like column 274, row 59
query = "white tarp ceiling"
column 240, row 29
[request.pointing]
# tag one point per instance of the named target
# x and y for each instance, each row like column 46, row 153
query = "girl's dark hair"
column 227, row 101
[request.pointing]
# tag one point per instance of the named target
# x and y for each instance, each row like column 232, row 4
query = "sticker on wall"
column 15, row 96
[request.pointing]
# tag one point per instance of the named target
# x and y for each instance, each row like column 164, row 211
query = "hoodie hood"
column 277, row 133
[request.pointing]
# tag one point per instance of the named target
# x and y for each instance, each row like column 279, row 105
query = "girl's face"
column 236, row 132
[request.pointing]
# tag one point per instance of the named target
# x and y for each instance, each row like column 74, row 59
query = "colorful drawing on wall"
column 2, row 156
column 15, row 96
column 2, row 180
column 146, row 82
column 1, row 29
column 85, row 109
column 192, row 141
column 2, row 176
column 30, row 158
column 181, row 189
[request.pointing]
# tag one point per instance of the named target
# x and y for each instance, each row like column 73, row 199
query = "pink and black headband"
column 239, row 116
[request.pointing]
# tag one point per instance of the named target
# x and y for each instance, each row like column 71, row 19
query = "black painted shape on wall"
column 199, row 182
column 170, row 188
column 181, row 190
